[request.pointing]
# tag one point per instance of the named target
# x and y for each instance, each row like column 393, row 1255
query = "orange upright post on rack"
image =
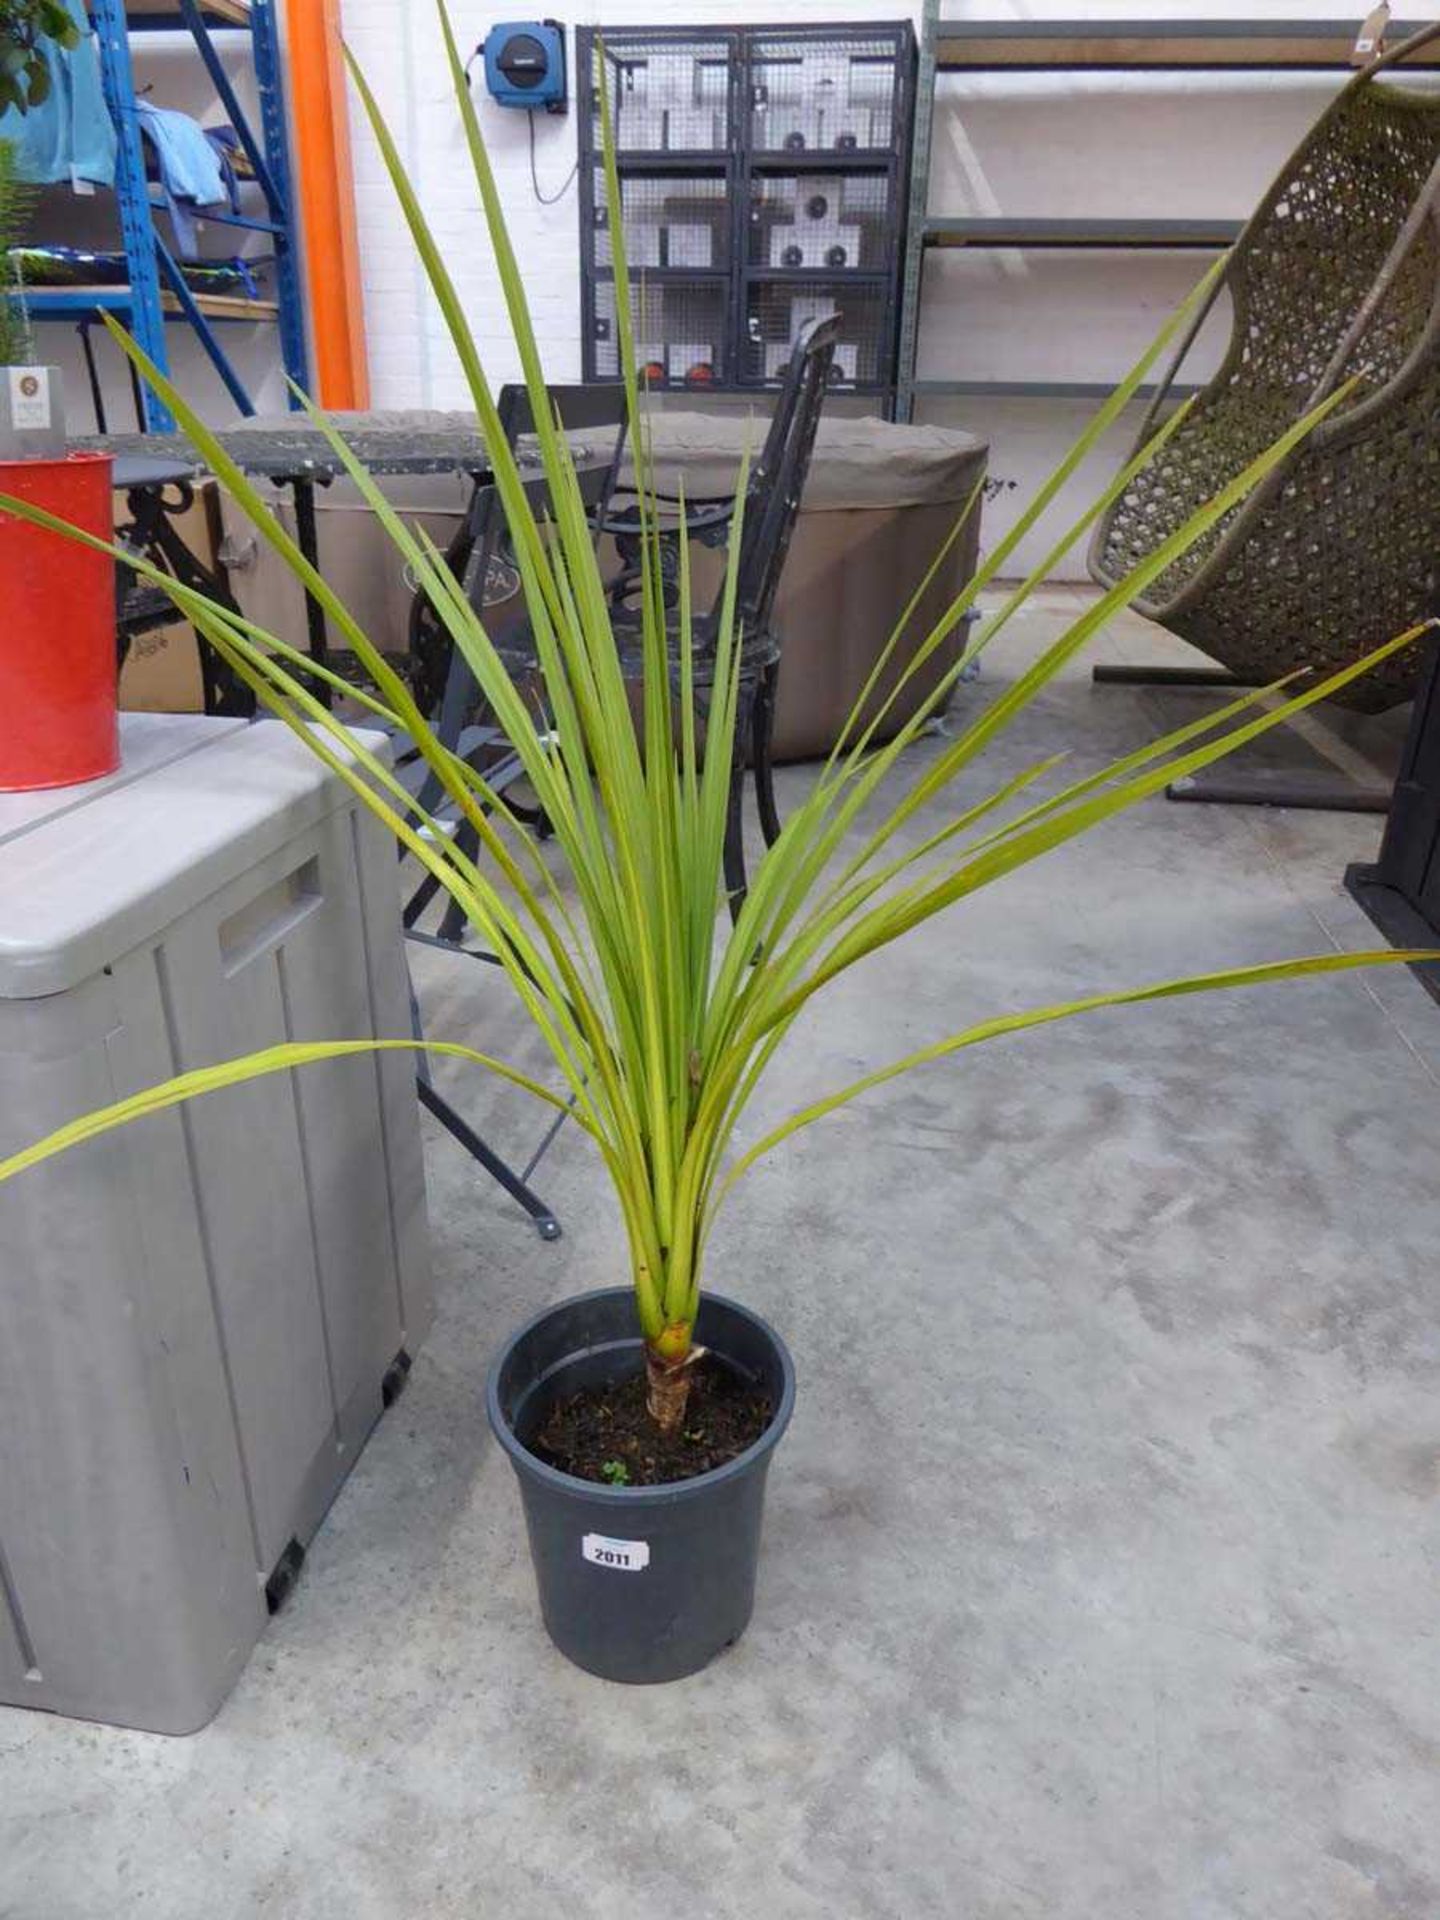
column 327, row 203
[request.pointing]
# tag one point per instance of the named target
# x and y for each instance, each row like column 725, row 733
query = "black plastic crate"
column 776, row 310
column 823, row 222
column 681, row 329
column 831, row 93
column 672, row 221
column 667, row 95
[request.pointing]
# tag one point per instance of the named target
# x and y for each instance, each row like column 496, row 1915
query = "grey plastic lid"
column 89, row 873
column 858, row 464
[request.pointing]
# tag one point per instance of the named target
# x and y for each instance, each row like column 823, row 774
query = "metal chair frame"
column 771, row 504
column 767, row 523
column 471, row 557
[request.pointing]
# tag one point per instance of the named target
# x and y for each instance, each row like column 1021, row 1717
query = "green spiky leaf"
column 659, row 1019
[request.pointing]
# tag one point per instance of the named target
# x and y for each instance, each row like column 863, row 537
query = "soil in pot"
column 605, row 1434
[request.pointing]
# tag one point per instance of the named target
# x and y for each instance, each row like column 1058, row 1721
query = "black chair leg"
column 419, row 900
column 504, row 1176
column 515, row 1184
column 736, row 884
column 452, row 927
column 468, row 841
column 762, row 733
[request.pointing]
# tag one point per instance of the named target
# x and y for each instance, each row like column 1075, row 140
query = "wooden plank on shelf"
column 963, row 231
column 229, row 13
column 1118, row 45
column 224, row 306
column 1037, row 390
column 215, row 306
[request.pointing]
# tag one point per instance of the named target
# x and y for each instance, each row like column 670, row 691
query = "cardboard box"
column 689, row 246
column 642, row 244
column 162, row 669
column 357, row 557
column 162, row 673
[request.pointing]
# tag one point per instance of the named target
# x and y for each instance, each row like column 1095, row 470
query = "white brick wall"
column 398, row 45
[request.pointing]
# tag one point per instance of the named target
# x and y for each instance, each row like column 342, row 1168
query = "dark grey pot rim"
column 671, row 1490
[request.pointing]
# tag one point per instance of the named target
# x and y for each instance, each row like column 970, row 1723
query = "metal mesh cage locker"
column 826, row 91
column 763, row 178
column 681, row 332
column 778, row 309
column 818, row 221
column 672, row 221
column 668, row 92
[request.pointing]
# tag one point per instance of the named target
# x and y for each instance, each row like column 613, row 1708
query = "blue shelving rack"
column 157, row 291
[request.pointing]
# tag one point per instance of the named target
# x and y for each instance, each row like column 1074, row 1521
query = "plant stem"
column 669, row 1362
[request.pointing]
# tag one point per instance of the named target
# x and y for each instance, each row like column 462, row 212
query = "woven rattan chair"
column 1337, row 274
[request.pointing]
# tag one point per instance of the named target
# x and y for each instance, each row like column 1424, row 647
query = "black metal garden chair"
column 476, row 554
column 772, row 500
column 477, row 559
column 771, row 504
column 594, row 419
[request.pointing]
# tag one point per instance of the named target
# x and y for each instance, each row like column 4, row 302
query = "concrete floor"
column 1100, row 1576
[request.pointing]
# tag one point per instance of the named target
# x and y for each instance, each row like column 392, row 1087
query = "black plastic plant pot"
column 639, row 1584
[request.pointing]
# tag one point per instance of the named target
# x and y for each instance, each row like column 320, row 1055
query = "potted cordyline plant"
column 659, row 1016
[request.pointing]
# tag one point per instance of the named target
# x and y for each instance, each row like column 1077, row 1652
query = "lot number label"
column 622, row 1556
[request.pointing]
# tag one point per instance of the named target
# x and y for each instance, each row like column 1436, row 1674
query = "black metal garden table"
column 301, row 458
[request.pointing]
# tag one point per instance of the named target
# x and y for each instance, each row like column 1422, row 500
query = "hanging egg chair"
column 1337, row 275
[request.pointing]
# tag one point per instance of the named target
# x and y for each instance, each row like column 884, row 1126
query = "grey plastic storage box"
column 201, row 1314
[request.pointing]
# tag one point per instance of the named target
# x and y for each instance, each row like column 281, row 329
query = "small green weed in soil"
column 606, row 1434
